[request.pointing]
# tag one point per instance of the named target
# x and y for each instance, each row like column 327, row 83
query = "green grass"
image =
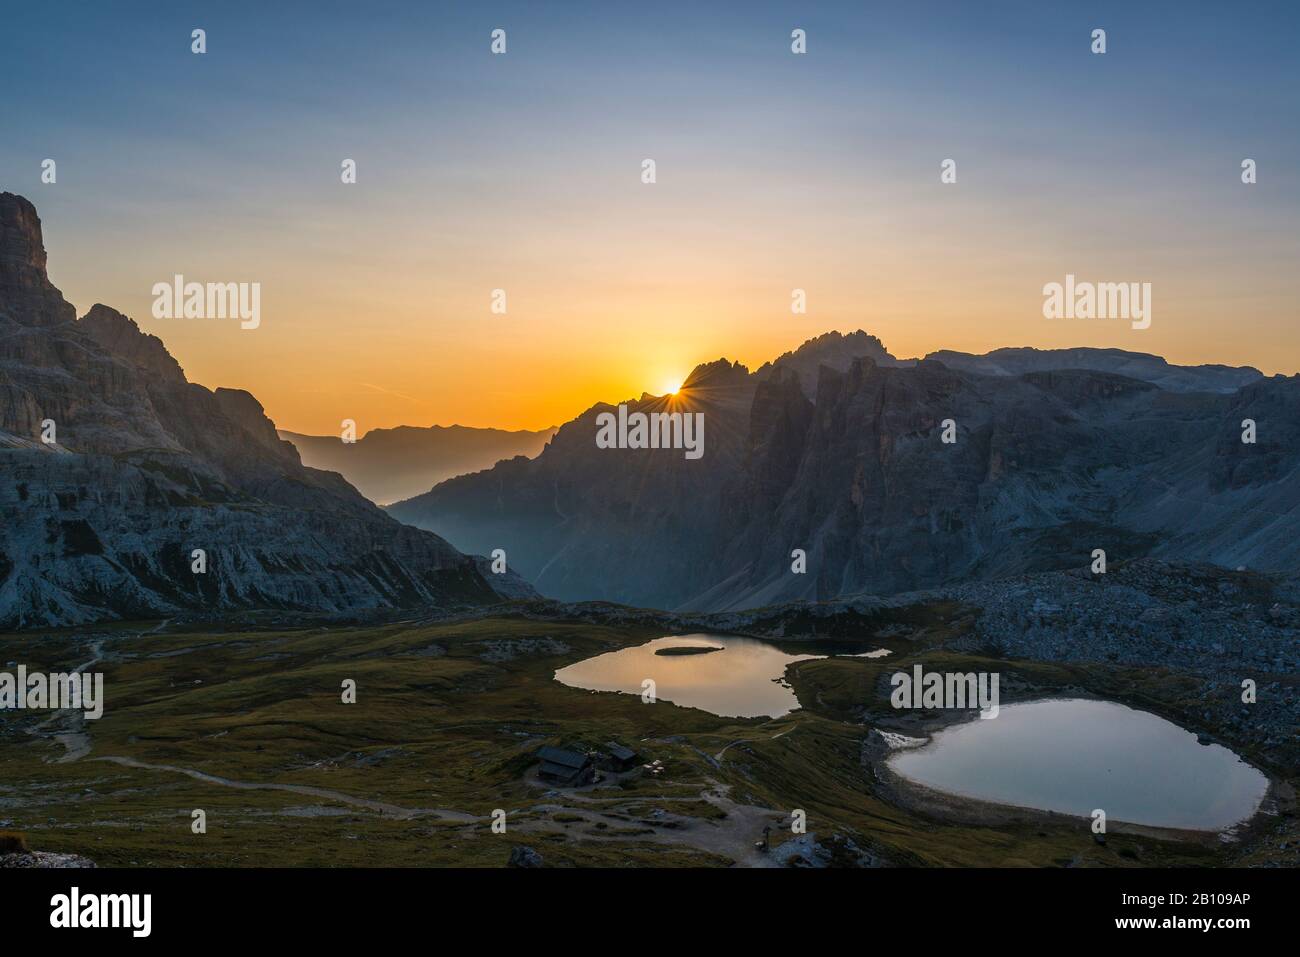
column 453, row 730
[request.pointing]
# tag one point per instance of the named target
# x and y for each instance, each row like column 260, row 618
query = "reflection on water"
column 742, row 680
column 1073, row 756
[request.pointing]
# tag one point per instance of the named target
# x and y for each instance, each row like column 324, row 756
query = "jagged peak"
column 834, row 350
column 720, row 372
column 26, row 294
column 21, row 242
column 843, row 346
column 123, row 337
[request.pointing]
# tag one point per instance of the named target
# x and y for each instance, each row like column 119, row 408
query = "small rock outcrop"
column 521, row 856
column 44, row 859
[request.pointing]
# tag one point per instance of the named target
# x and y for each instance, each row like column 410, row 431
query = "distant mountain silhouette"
column 147, row 467
column 1136, row 365
column 835, row 449
column 833, row 350
column 386, row 465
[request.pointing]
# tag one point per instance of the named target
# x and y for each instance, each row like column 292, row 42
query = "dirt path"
column 732, row 836
column 718, row 756
column 72, row 732
column 379, row 807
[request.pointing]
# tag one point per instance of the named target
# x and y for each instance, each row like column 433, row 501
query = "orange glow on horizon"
column 612, row 316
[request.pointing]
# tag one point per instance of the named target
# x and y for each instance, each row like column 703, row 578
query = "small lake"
column 1072, row 756
column 744, row 678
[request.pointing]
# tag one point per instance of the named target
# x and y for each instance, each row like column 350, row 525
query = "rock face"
column 30, row 297
column 837, row 449
column 147, row 467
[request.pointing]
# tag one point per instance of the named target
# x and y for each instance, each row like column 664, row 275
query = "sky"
column 774, row 172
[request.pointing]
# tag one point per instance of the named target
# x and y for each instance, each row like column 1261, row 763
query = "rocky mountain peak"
column 26, row 294
column 721, row 373
column 152, row 467
column 840, row 450
column 830, row 351
column 121, row 336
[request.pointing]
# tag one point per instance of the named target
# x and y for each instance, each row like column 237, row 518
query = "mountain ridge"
column 835, row 448
column 144, row 467
column 390, row 464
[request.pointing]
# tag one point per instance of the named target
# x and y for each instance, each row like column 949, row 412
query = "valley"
column 246, row 723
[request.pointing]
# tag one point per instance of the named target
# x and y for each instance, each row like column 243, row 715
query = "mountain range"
column 826, row 473
column 117, row 470
column 386, row 465
column 837, row 449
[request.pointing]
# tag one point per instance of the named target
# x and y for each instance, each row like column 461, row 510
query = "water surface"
column 744, row 679
column 1075, row 755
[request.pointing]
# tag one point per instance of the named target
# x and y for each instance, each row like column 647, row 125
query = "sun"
column 672, row 386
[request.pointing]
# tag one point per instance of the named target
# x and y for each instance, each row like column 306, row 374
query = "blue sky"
column 775, row 171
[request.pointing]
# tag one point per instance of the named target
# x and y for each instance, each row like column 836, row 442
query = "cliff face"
column 29, row 296
column 147, row 467
column 878, row 502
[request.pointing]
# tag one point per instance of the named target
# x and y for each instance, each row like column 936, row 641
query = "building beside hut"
column 563, row 766
column 617, row 758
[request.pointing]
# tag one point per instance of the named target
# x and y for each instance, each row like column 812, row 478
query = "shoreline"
column 951, row 807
